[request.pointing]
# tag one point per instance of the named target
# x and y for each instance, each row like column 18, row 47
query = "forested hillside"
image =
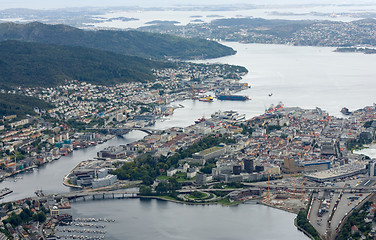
column 135, row 43
column 35, row 64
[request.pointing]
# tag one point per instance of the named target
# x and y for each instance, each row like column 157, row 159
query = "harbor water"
column 160, row 220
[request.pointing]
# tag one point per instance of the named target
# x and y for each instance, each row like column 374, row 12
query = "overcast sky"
column 47, row 4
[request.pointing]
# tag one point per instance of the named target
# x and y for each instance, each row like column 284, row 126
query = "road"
column 340, row 206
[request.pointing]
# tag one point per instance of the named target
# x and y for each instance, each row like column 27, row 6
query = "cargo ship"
column 273, row 108
column 4, row 192
column 232, row 97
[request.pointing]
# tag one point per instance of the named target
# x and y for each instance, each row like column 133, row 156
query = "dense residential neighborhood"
column 275, row 31
column 34, row 140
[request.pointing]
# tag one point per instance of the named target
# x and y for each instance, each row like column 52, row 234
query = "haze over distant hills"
column 40, row 4
column 147, row 45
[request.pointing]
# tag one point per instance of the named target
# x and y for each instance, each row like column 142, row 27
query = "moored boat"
column 5, row 191
column 200, row 120
column 345, row 111
column 206, row 99
column 232, row 97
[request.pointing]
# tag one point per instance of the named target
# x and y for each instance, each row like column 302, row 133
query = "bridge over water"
column 125, row 130
column 86, row 195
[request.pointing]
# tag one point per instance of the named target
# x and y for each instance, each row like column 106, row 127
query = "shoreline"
column 276, row 207
column 256, row 200
column 47, row 162
column 175, row 201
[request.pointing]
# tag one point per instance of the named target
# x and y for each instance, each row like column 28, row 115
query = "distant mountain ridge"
column 36, row 64
column 135, row 43
column 278, row 31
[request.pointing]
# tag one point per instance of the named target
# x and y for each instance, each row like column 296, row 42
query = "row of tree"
column 25, row 216
column 301, row 221
column 356, row 219
column 164, row 188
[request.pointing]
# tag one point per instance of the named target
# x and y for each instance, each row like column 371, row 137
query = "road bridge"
column 357, row 189
column 125, row 130
column 87, row 195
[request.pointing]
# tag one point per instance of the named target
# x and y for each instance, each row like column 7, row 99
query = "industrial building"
column 333, row 174
column 372, row 168
column 104, row 181
column 113, row 152
column 210, row 153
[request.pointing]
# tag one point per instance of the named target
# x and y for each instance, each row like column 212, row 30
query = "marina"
column 137, row 213
column 83, row 228
column 71, row 236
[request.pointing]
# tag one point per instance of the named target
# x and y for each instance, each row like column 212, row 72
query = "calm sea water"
column 154, row 219
column 306, row 77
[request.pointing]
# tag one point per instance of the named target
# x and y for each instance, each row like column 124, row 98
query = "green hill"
column 20, row 105
column 36, row 64
column 135, row 43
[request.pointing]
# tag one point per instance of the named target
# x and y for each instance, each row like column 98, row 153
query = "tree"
column 162, row 188
column 145, row 190
column 174, row 184
column 206, row 170
column 42, row 217
column 197, row 195
column 147, row 180
column 9, row 206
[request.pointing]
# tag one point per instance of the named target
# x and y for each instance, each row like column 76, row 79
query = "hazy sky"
column 45, row 4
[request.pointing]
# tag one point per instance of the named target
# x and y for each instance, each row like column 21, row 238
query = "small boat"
column 270, row 94
column 200, row 120
column 206, row 99
column 345, row 111
column 39, row 193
